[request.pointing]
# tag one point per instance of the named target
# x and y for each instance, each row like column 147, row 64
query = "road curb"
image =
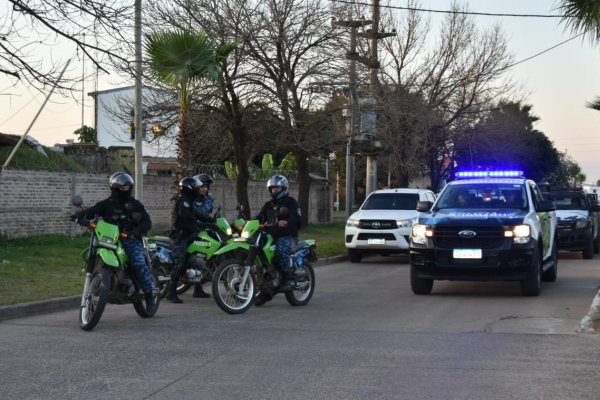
column 72, row 302
column 39, row 307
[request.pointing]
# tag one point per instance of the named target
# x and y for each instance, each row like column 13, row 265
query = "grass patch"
column 50, row 266
column 27, row 158
column 40, row 268
column 329, row 238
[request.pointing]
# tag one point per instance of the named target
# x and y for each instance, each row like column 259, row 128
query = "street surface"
column 364, row 335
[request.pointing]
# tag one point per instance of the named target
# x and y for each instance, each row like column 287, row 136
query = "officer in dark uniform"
column 131, row 217
column 285, row 228
column 185, row 228
column 204, row 207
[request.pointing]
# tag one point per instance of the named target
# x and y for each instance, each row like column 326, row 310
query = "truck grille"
column 377, row 224
column 488, row 237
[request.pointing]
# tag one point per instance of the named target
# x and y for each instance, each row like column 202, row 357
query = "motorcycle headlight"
column 229, row 231
column 420, row 233
column 245, row 234
column 352, row 222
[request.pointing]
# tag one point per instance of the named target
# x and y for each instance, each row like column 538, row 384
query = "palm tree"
column 583, row 16
column 181, row 59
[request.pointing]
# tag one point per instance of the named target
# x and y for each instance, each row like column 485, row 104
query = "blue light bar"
column 488, row 174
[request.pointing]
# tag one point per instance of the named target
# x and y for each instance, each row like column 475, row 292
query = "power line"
column 451, row 12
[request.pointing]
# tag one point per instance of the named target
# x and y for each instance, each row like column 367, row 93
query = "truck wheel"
column 588, row 251
column 551, row 273
column 419, row 285
column 532, row 284
column 354, row 255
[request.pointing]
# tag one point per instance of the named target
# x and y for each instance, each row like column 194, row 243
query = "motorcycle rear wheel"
column 226, row 284
column 163, row 280
column 304, row 287
column 94, row 298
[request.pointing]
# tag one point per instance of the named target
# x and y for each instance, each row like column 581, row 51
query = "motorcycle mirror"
column 284, row 213
column 77, row 200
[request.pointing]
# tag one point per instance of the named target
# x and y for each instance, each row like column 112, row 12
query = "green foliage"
column 329, row 238
column 27, row 158
column 267, row 163
column 86, row 135
column 230, row 170
column 288, row 163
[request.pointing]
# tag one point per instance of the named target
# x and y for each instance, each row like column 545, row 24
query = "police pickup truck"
column 489, row 226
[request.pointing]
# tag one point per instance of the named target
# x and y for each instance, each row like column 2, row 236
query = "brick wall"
column 39, row 202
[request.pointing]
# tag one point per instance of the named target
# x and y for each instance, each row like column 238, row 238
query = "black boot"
column 199, row 292
column 287, row 284
column 172, row 295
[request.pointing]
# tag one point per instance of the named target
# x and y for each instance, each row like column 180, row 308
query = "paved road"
column 363, row 336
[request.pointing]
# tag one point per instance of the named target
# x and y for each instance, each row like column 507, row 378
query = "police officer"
column 131, row 217
column 185, row 228
column 285, row 228
column 204, row 208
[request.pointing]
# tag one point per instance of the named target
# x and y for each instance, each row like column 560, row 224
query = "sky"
column 558, row 83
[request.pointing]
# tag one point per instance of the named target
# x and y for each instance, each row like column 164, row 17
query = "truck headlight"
column 352, row 223
column 404, row 223
column 521, row 234
column 581, row 223
column 420, row 233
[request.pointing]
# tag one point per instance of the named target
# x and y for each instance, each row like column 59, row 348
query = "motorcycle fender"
column 108, row 256
column 233, row 246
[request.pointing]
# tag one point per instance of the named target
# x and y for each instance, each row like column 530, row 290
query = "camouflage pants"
column 137, row 261
column 285, row 244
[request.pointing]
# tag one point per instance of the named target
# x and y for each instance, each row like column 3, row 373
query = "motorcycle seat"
column 299, row 246
column 163, row 241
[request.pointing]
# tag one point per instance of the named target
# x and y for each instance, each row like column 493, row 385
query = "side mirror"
column 77, row 201
column 546, row 205
column 424, row 206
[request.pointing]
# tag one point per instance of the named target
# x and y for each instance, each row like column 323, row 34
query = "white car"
column 383, row 223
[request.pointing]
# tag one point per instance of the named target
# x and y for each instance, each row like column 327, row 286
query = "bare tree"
column 292, row 45
column 459, row 79
column 31, row 28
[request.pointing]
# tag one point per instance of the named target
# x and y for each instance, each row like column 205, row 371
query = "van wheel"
column 354, row 255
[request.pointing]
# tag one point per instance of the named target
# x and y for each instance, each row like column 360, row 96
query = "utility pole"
column 373, row 35
column 351, row 55
column 139, row 172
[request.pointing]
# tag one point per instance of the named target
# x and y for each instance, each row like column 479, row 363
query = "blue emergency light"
column 489, row 174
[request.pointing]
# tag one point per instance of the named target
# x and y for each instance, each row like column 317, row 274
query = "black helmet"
column 190, row 186
column 117, row 182
column 206, row 179
column 281, row 181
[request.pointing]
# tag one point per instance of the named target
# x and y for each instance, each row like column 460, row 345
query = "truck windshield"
column 391, row 201
column 484, row 195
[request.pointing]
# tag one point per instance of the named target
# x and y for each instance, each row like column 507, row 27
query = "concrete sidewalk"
column 73, row 302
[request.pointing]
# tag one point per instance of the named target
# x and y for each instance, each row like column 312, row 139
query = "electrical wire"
column 449, row 11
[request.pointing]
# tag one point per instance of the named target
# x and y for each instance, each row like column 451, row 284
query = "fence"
column 38, row 202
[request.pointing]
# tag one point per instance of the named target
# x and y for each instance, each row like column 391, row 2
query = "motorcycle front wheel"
column 231, row 294
column 141, row 305
column 94, row 298
column 304, row 286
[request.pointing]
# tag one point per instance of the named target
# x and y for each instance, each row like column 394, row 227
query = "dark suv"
column 577, row 218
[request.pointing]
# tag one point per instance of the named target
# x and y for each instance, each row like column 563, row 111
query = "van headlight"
column 581, row 223
column 420, row 233
column 521, row 234
column 352, row 223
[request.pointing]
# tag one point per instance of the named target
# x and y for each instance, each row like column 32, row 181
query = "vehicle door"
column 547, row 220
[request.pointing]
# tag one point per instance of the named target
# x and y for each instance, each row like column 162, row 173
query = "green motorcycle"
column 249, row 272
column 108, row 278
column 201, row 259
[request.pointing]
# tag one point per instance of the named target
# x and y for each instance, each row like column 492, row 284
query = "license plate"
column 466, row 253
column 375, row 241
